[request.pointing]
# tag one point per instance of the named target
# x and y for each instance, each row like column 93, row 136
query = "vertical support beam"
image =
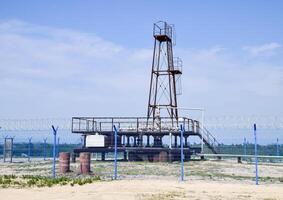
column 84, row 141
column 103, row 156
column 186, row 141
column 147, row 140
column 137, row 124
column 112, row 122
column 128, row 141
column 153, row 81
column 115, row 152
column 256, row 158
column 54, row 151
column 124, row 140
column 182, row 151
column 93, row 125
column 141, row 140
column 138, row 140
column 125, row 156
column 135, row 141
column 170, row 140
column 175, row 142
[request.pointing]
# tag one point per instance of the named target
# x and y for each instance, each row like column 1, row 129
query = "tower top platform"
column 162, row 31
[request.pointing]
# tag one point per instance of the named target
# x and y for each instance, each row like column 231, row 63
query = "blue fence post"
column 256, row 158
column 29, row 148
column 182, row 152
column 58, row 146
column 54, row 151
column 277, row 147
column 115, row 152
column 44, row 148
column 245, row 148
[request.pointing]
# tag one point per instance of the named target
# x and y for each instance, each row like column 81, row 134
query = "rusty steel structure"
column 165, row 72
column 139, row 140
column 156, row 136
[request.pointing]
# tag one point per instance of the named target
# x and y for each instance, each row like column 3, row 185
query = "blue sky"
column 65, row 58
column 199, row 23
column 93, row 58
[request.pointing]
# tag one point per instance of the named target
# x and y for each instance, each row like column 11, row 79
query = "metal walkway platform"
column 133, row 125
column 140, row 135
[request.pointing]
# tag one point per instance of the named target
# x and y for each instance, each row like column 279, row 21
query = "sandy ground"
column 149, row 190
column 210, row 169
column 211, row 179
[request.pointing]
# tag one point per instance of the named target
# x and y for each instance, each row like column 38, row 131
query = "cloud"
column 49, row 68
column 262, row 49
column 55, row 72
column 227, row 82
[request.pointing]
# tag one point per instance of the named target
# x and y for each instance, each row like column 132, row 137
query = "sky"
column 93, row 58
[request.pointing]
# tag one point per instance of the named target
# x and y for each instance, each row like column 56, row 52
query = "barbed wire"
column 211, row 122
column 34, row 124
column 244, row 122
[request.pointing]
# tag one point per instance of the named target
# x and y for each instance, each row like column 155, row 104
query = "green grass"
column 42, row 181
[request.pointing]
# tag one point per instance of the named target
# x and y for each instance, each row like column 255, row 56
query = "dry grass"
column 195, row 170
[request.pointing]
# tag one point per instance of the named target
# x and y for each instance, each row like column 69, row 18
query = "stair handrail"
column 210, row 139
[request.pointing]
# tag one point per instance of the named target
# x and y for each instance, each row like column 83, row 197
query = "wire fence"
column 35, row 158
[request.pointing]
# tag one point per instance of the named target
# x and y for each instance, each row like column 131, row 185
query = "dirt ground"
column 149, row 190
column 228, row 170
column 209, row 179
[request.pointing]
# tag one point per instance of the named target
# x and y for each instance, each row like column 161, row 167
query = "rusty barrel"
column 85, row 162
column 64, row 162
column 161, row 157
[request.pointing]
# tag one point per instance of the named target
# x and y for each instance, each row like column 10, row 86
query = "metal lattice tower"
column 166, row 70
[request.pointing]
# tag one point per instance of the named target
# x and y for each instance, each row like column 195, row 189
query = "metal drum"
column 85, row 162
column 64, row 162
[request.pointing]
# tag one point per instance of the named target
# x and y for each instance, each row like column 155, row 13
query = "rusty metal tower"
column 166, row 71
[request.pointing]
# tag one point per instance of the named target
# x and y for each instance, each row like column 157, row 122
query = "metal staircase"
column 209, row 140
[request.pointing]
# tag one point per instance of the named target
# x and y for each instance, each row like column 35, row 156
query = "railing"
column 210, row 139
column 132, row 124
column 162, row 28
column 178, row 64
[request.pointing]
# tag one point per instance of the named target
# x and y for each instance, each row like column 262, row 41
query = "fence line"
column 211, row 122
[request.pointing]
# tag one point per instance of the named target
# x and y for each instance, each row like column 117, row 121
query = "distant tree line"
column 270, row 150
column 37, row 149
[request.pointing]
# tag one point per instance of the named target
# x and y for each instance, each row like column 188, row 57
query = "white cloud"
column 51, row 72
column 227, row 83
column 262, row 49
column 46, row 68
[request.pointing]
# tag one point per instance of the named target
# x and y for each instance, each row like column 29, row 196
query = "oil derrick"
column 166, row 71
column 135, row 134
